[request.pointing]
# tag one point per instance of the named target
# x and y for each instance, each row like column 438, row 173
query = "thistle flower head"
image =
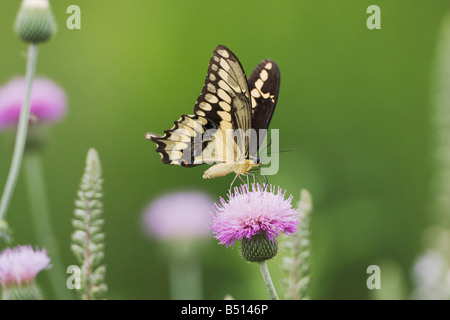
column 48, row 101
column 21, row 264
column 35, row 22
column 180, row 215
column 249, row 212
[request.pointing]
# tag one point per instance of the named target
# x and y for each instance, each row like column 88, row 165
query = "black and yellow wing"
column 226, row 109
column 264, row 86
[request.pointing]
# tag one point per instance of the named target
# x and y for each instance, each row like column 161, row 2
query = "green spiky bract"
column 258, row 248
column 25, row 292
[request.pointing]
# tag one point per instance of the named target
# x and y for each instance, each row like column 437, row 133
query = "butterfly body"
column 231, row 117
column 222, row 169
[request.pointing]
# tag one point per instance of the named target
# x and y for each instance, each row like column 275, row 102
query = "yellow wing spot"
column 255, row 93
column 225, row 76
column 259, row 84
column 174, row 155
column 225, row 106
column 268, row 66
column 178, row 146
column 223, row 95
column 225, row 125
column 211, row 88
column 203, row 121
column 205, row 106
column 253, row 103
column 264, row 75
column 224, row 64
column 224, row 115
column 177, row 135
column 229, row 80
column 211, row 98
column 192, row 123
column 186, row 130
column 223, row 53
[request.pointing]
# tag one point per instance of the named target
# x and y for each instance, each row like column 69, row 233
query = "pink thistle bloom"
column 250, row 212
column 48, row 101
column 21, row 264
column 180, row 215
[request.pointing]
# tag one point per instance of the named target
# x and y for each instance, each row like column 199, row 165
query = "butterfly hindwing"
column 264, row 86
column 182, row 144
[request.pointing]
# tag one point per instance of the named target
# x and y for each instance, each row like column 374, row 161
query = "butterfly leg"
column 232, row 182
column 266, row 181
column 241, row 178
column 254, row 177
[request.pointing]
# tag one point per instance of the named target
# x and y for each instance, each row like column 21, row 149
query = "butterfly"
column 231, row 117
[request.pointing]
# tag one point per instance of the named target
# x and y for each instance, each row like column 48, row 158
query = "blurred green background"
column 356, row 102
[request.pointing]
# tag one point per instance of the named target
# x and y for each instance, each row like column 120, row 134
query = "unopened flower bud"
column 35, row 22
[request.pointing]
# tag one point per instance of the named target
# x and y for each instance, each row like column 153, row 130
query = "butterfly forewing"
column 225, row 101
column 222, row 107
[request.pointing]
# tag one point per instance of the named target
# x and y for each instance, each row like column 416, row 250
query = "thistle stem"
column 185, row 276
column 42, row 223
column 21, row 132
column 267, row 280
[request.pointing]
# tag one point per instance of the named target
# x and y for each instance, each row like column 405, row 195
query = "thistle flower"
column 48, row 102
column 255, row 216
column 21, row 265
column 259, row 214
column 18, row 269
column 179, row 220
column 180, row 215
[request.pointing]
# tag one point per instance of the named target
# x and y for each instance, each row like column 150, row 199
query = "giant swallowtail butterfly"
column 230, row 118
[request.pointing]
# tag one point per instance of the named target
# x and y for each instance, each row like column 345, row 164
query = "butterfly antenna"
column 267, row 147
column 280, row 151
column 289, row 150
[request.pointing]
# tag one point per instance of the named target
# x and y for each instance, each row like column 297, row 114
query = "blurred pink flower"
column 181, row 215
column 249, row 212
column 21, row 264
column 48, row 101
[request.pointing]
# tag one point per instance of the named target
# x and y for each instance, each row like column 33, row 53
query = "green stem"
column 267, row 280
column 42, row 222
column 185, row 275
column 21, row 132
column 185, row 278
